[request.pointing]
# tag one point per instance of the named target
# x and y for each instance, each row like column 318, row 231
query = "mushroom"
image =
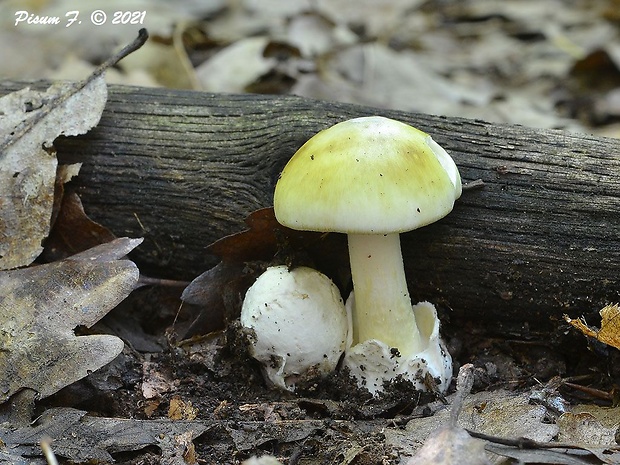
column 296, row 323
column 373, row 178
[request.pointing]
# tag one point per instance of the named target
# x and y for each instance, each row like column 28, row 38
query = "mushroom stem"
column 382, row 307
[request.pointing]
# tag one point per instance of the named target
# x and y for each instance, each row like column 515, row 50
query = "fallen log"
column 538, row 239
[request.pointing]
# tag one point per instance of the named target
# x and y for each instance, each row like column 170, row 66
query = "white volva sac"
column 297, row 324
column 373, row 178
column 373, row 362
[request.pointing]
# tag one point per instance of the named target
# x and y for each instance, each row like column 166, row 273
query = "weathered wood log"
column 539, row 239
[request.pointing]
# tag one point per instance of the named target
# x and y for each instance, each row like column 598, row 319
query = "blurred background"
column 539, row 63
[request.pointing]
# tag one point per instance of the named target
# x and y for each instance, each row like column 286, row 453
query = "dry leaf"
column 236, row 66
column 154, row 382
column 608, row 417
column 258, row 242
column 181, row 410
column 452, row 445
column 256, row 433
column 29, row 123
column 499, row 413
column 82, row 438
column 264, row 239
column 610, row 326
column 64, row 174
column 179, row 449
column 73, row 231
column 204, row 299
column 596, row 72
column 41, row 305
column 585, row 429
column 376, row 17
column 593, row 427
column 524, row 456
column 312, row 34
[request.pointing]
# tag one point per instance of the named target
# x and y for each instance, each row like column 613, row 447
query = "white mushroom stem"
column 382, row 309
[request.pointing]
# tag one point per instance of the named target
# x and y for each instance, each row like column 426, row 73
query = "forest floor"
column 551, row 64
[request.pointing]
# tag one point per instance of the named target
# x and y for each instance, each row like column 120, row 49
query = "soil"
column 214, row 380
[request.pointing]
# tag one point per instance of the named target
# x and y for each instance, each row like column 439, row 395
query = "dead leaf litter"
column 184, row 388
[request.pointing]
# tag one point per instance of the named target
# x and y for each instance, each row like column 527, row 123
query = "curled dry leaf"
column 73, row 231
column 258, row 242
column 610, row 326
column 29, row 122
column 41, row 305
column 208, row 291
column 265, row 240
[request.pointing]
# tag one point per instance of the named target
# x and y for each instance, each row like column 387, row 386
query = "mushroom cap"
column 370, row 175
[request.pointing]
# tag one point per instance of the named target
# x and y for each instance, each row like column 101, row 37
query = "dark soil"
column 325, row 421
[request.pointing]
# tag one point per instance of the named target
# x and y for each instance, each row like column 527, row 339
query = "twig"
column 596, row 393
column 53, row 103
column 48, row 452
column 128, row 49
column 464, row 384
column 149, row 281
column 525, row 443
column 476, row 184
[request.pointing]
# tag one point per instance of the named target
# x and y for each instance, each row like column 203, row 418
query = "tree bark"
column 538, row 239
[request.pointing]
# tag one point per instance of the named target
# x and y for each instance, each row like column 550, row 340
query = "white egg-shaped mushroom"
column 296, row 323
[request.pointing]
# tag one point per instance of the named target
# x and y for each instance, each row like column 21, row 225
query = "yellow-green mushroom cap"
column 370, row 175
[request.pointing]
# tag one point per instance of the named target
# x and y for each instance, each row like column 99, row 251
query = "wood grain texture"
column 539, row 239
